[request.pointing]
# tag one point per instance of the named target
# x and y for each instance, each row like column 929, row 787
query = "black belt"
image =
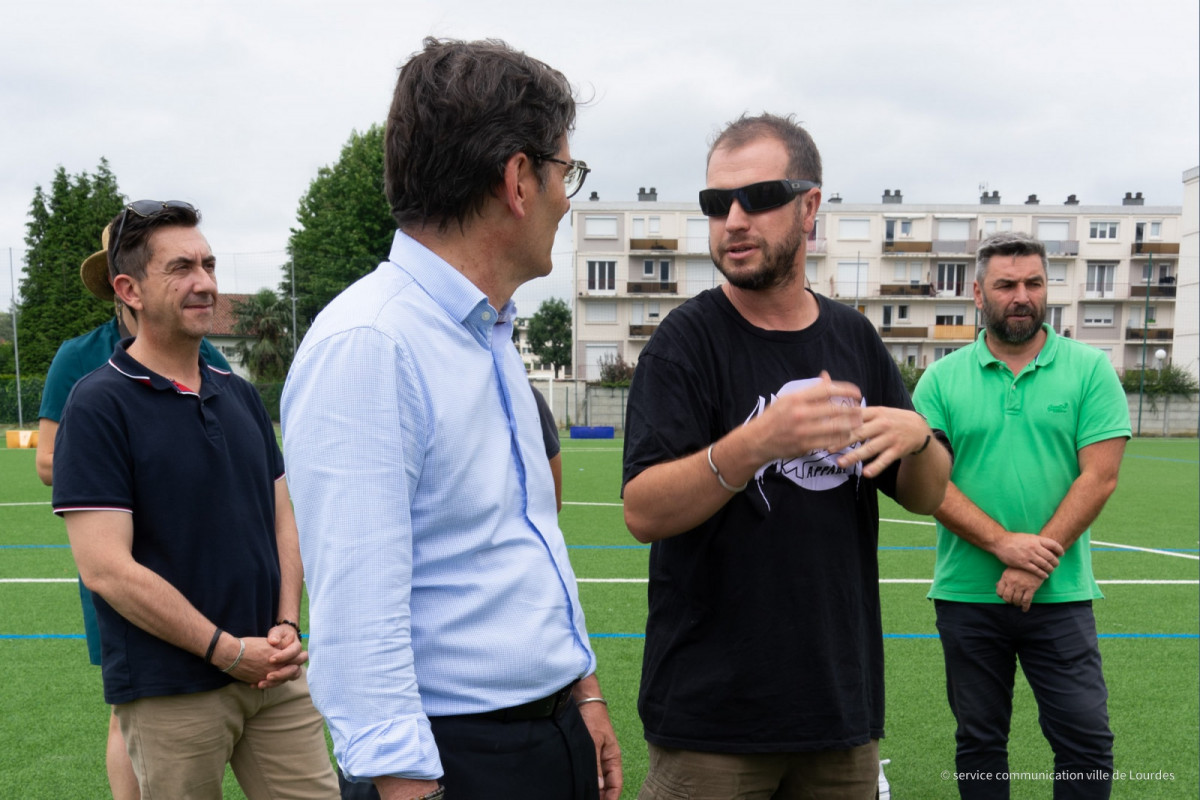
column 544, row 708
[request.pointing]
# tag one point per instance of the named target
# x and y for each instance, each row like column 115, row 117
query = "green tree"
column 550, row 333
column 63, row 229
column 7, row 351
column 345, row 226
column 268, row 319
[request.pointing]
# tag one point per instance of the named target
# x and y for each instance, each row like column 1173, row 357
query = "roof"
column 223, row 316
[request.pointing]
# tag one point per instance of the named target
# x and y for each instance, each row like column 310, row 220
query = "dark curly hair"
column 460, row 111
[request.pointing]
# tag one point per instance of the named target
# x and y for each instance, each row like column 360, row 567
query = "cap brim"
column 94, row 274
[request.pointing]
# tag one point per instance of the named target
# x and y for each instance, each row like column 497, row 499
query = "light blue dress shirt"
column 437, row 575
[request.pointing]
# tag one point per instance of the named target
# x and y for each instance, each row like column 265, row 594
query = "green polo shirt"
column 1016, row 442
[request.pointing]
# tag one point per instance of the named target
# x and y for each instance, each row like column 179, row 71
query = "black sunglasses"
column 143, row 208
column 753, row 198
column 576, row 173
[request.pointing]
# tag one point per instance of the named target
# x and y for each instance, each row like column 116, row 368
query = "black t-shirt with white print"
column 764, row 630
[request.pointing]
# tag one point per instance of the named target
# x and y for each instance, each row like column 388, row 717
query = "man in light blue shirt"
column 447, row 638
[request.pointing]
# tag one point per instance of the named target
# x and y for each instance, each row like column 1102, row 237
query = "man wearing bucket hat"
column 170, row 480
column 74, row 359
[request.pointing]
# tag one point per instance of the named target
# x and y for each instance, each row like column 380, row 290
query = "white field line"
column 644, row 580
column 1147, row 550
column 36, row 503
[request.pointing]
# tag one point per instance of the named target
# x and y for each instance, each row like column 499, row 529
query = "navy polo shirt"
column 197, row 473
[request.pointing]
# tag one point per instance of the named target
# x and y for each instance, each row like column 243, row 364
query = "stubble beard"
column 778, row 267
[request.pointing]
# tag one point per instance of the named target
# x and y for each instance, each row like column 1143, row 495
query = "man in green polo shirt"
column 1038, row 424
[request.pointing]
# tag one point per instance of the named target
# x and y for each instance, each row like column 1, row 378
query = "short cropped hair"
column 1006, row 243
column 459, row 112
column 132, row 251
column 804, row 160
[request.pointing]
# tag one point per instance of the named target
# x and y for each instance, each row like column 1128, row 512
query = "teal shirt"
column 1016, row 442
column 79, row 356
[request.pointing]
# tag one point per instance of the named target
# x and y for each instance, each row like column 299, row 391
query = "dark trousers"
column 1059, row 654
column 545, row 759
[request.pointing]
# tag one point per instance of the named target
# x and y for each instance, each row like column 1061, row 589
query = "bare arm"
column 675, row 496
column 47, row 428
column 608, row 753
column 556, row 471
column 1099, row 466
column 291, row 584
column 891, row 434
column 102, row 543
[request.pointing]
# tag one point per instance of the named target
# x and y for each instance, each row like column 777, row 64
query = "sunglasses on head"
column 143, row 208
column 753, row 198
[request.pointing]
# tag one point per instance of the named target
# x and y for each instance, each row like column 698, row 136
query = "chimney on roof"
column 650, row 196
column 992, row 199
column 888, row 197
column 1071, row 200
column 595, row 196
column 1131, row 200
column 835, row 198
column 1032, row 201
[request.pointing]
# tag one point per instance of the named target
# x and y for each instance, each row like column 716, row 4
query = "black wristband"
column 921, row 449
column 293, row 624
column 208, row 654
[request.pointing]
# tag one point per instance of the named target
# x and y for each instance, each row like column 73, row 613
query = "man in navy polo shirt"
column 170, row 480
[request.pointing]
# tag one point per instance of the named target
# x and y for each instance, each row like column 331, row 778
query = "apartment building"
column 1113, row 270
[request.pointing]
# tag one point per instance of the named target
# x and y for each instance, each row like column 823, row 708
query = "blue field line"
column 1160, row 458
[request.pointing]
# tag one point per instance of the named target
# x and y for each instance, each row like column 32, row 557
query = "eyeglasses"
column 576, row 173
column 143, row 208
column 753, row 198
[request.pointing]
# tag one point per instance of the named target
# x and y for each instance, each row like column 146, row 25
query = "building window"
column 1053, row 230
column 602, row 276
column 942, row 352
column 902, row 313
column 1102, row 230
column 655, row 226
column 701, row 274
column 1056, row 272
column 954, row 230
column 907, row 272
column 1054, row 316
column 951, row 279
column 1155, row 230
column 601, row 312
column 991, row 226
column 639, row 227
column 600, row 227
column 854, row 228
column 1097, row 314
column 949, row 315
column 1100, row 279
column 648, row 268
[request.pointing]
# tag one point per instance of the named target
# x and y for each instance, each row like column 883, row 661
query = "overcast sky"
column 234, row 105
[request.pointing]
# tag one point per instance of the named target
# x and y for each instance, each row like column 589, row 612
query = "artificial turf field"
column 1145, row 555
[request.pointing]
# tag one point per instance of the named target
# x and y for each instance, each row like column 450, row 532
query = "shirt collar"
column 1042, row 359
column 127, row 365
column 449, row 288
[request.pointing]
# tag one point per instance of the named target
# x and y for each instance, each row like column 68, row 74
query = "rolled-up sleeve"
column 354, row 421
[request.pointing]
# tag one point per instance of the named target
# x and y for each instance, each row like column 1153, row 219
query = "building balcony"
column 651, row 287
column 1153, row 290
column 1151, row 334
column 906, row 290
column 816, row 247
column 960, row 332
column 955, row 246
column 1154, row 248
column 906, row 246
column 641, row 331
column 1062, row 247
column 654, row 245
column 904, row 331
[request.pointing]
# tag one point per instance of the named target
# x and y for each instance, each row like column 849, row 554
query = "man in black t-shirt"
column 761, row 421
